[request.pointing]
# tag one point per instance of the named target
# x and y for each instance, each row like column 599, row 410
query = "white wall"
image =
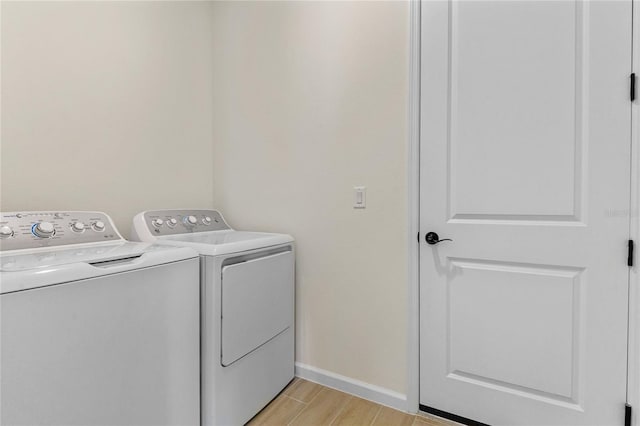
column 310, row 100
column 280, row 108
column 106, row 106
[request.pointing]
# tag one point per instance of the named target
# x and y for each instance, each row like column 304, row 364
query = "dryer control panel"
column 173, row 222
column 29, row 230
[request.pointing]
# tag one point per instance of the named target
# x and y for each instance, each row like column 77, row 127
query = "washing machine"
column 247, row 304
column 95, row 330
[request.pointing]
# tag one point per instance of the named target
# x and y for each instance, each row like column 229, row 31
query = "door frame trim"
column 633, row 363
column 413, row 227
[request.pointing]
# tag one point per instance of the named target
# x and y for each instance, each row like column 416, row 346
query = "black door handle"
column 432, row 238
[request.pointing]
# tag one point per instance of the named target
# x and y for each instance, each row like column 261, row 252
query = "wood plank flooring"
column 305, row 403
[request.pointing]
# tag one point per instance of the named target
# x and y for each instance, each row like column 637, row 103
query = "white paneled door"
column 525, row 165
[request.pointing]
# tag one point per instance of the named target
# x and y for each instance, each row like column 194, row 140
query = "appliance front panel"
column 120, row 350
column 257, row 303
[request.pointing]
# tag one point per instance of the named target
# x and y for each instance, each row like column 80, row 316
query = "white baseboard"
column 351, row 386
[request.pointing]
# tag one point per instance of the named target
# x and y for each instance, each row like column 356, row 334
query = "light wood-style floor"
column 305, row 403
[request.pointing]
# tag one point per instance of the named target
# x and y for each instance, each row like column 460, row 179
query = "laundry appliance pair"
column 193, row 326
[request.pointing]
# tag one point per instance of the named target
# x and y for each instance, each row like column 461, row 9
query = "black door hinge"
column 632, row 87
column 627, row 415
column 630, row 255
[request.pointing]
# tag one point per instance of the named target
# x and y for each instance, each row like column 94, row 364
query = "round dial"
column 98, row 226
column 6, row 231
column 77, row 227
column 191, row 220
column 206, row 220
column 172, row 222
column 157, row 223
column 44, row 230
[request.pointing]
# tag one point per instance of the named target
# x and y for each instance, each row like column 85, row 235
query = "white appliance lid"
column 216, row 243
column 28, row 269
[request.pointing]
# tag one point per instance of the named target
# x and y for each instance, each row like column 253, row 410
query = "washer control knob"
column 172, row 222
column 6, row 231
column 44, row 230
column 206, row 220
column 190, row 220
column 77, row 227
column 157, row 223
column 98, row 226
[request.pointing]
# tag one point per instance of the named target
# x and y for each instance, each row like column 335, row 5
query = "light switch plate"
column 359, row 197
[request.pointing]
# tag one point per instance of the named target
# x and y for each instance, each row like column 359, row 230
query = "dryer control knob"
column 6, row 231
column 172, row 222
column 157, row 223
column 77, row 227
column 190, row 220
column 98, row 226
column 44, row 230
column 206, row 220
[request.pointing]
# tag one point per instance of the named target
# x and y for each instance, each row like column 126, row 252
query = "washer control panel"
column 27, row 230
column 173, row 222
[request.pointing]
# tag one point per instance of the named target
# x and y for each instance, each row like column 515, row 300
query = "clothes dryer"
column 247, row 302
